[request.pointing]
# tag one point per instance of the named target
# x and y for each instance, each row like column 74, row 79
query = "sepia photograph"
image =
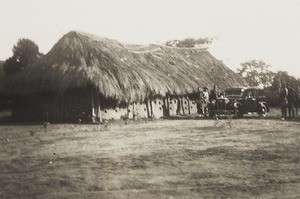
column 149, row 99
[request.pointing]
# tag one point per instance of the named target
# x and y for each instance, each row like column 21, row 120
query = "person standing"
column 205, row 101
column 291, row 98
column 213, row 94
column 284, row 102
column 199, row 101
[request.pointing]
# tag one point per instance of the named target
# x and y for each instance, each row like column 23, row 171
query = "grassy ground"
column 187, row 158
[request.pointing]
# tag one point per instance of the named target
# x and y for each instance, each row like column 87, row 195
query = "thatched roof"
column 123, row 72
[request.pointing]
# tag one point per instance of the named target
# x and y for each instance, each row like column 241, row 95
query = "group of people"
column 205, row 97
column 288, row 102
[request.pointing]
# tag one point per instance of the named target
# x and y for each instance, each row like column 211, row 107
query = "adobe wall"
column 181, row 106
column 173, row 106
column 157, row 107
column 185, row 106
column 137, row 110
column 114, row 113
column 193, row 108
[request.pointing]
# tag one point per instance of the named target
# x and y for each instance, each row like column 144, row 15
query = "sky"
column 244, row 30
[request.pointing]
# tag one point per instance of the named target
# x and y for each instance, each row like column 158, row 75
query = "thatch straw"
column 126, row 73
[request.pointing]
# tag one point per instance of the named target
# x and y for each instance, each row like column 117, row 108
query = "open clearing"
column 187, row 158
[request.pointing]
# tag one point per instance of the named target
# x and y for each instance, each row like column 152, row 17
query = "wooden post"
column 168, row 105
column 92, row 105
column 178, row 106
column 133, row 111
column 99, row 116
column 165, row 108
column 151, row 108
column 147, row 107
column 189, row 108
column 181, row 101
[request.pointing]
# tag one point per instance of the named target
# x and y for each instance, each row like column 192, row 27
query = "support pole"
column 93, row 106
column 189, row 108
column 181, row 101
column 147, row 107
column 151, row 108
column 99, row 116
column 168, row 105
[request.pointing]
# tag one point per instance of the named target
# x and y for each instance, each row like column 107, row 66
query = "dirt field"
column 186, row 158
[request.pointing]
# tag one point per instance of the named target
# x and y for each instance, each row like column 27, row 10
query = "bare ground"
column 187, row 158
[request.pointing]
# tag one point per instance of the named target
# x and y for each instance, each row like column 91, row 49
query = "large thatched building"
column 85, row 77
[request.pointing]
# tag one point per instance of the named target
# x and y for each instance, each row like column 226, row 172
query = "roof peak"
column 86, row 34
column 129, row 46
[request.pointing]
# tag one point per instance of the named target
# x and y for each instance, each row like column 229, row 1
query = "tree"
column 256, row 73
column 12, row 66
column 283, row 78
column 25, row 54
column 189, row 42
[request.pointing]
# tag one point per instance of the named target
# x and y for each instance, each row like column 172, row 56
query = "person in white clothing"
column 205, row 101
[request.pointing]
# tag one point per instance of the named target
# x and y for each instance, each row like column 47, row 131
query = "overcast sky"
column 244, row 29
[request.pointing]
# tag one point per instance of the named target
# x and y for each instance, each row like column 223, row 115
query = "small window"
column 145, row 109
column 185, row 107
column 174, row 101
column 170, row 108
column 105, row 111
column 159, row 102
column 160, row 108
column 116, row 110
column 155, row 102
column 191, row 107
column 171, row 102
column 184, row 102
column 129, row 111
